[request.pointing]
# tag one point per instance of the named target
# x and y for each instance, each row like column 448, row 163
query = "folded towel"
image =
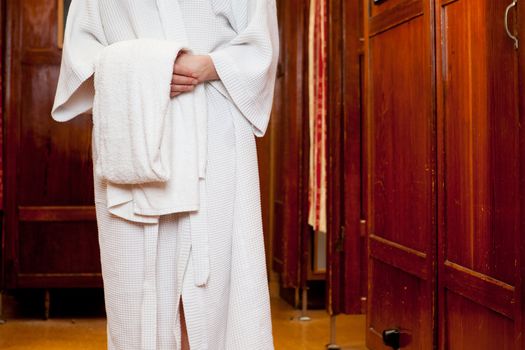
column 151, row 148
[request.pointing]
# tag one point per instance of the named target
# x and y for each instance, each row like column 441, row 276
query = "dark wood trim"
column 11, row 139
column 447, row 2
column 441, row 196
column 395, row 16
column 489, row 292
column 335, row 184
column 405, row 258
column 3, row 49
column 345, row 203
column 353, row 174
column 84, row 280
column 366, row 153
column 49, row 213
column 520, row 239
column 41, row 56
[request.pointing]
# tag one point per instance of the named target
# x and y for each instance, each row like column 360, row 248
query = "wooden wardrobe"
column 49, row 234
column 444, row 170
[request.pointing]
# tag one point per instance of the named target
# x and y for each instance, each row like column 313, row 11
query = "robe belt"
column 199, row 238
column 201, row 267
column 149, row 289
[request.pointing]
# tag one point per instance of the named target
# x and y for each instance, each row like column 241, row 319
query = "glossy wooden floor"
column 29, row 332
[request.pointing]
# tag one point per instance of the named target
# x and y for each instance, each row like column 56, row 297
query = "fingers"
column 177, row 89
column 183, row 80
column 181, row 88
column 181, row 69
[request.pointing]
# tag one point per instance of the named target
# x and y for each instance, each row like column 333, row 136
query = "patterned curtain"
column 317, row 79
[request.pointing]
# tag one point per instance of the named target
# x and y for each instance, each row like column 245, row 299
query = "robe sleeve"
column 83, row 41
column 247, row 66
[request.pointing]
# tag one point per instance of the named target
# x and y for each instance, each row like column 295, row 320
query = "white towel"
column 151, row 148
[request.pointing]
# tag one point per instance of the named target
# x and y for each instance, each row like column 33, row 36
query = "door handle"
column 513, row 4
column 392, row 338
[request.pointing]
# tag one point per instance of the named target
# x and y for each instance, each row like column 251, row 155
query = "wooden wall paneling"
column 12, row 92
column 290, row 191
column 345, row 243
column 400, row 155
column 335, row 295
column 48, row 169
column 2, row 82
column 2, row 104
column 354, row 244
column 520, row 241
column 267, row 154
column 480, row 296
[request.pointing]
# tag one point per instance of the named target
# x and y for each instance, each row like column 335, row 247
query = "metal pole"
column 333, row 332
column 304, row 309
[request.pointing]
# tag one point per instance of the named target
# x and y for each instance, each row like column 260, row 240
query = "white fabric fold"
column 131, row 118
column 151, row 148
column 151, row 151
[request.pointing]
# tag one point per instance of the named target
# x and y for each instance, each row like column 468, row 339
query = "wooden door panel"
column 394, row 305
column 57, row 151
column 476, row 327
column 401, row 181
column 346, row 252
column 386, row 6
column 479, row 154
column 480, row 129
column 401, row 162
column 35, row 235
column 40, row 24
column 290, row 139
column 50, row 232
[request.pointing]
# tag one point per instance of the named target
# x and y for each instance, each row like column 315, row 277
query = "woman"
column 234, row 47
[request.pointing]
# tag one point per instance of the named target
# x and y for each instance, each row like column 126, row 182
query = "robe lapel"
column 172, row 21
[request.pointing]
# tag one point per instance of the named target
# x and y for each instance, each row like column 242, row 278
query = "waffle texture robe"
column 232, row 310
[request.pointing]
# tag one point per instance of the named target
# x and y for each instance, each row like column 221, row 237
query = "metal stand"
column 333, row 345
column 304, row 308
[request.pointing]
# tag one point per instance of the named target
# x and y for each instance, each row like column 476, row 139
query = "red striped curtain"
column 317, row 78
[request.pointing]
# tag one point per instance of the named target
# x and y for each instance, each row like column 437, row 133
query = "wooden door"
column 400, row 156
column 290, row 137
column 480, row 296
column 346, row 269
column 50, row 233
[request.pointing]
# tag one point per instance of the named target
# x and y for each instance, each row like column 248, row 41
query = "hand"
column 183, row 79
column 190, row 70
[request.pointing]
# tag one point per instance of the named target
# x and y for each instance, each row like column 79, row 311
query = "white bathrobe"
column 232, row 311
